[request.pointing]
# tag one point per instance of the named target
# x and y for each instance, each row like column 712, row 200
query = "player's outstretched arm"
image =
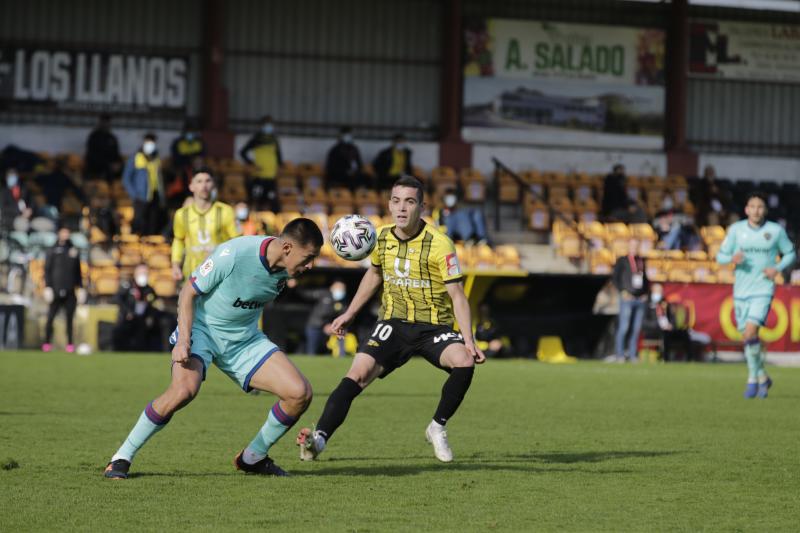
column 372, row 280
column 464, row 319
column 181, row 351
column 727, row 251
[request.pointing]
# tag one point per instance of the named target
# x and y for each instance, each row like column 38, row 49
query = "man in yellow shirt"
column 264, row 151
column 393, row 162
column 423, row 297
column 200, row 226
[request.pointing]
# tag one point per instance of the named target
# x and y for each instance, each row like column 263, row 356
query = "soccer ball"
column 353, row 237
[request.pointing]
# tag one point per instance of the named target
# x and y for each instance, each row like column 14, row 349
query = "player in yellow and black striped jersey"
column 423, row 294
column 200, row 226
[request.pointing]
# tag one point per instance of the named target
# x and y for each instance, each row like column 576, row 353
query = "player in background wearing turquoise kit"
column 218, row 314
column 753, row 245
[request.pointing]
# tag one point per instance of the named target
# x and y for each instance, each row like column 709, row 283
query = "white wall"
column 753, row 168
column 567, row 160
column 58, row 139
column 315, row 149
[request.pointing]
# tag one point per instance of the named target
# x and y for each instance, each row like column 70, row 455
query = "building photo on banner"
column 569, row 84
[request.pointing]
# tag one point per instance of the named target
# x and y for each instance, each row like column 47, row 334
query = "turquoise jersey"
column 233, row 285
column 760, row 247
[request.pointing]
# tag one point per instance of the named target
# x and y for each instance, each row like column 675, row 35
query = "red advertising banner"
column 711, row 311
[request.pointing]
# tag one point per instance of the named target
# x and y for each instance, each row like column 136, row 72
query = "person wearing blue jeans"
column 630, row 278
column 463, row 223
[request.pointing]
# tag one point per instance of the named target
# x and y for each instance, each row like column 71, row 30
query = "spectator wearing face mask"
column 331, row 303
column 246, row 223
column 675, row 229
column 145, row 185
column 462, row 222
column 186, row 149
column 343, row 166
column 137, row 327
column 263, row 150
column 393, row 162
column 16, row 202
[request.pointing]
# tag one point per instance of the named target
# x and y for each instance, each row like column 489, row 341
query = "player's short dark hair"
column 304, row 232
column 203, row 170
column 149, row 136
column 757, row 194
column 411, row 181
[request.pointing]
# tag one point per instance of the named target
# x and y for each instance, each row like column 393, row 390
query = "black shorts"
column 394, row 341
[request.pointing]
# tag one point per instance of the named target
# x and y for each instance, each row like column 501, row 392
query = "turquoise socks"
column 149, row 423
column 277, row 424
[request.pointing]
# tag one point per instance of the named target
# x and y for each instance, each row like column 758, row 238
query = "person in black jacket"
column 393, row 162
column 103, row 159
column 343, row 166
column 138, row 325
column 62, row 275
column 617, row 205
column 330, row 304
column 630, row 279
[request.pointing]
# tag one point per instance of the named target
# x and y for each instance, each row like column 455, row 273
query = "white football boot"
column 311, row 444
column 437, row 435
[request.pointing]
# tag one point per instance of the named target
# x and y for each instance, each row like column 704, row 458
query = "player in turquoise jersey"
column 753, row 246
column 218, row 313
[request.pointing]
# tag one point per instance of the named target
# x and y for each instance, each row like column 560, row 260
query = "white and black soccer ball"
column 353, row 237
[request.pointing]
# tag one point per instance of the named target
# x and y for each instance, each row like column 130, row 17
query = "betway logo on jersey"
column 253, row 304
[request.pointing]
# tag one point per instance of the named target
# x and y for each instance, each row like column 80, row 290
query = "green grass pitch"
column 585, row 447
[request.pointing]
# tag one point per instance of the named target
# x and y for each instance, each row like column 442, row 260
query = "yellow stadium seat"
column 551, row 350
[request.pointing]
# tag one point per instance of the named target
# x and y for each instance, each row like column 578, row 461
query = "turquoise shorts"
column 753, row 310
column 239, row 360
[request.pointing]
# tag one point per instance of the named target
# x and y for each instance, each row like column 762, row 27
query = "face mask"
column 148, row 147
column 241, row 214
column 141, row 280
column 773, row 200
column 657, row 297
column 347, row 138
column 450, row 200
column 338, row 294
column 12, row 180
column 268, row 128
column 667, row 203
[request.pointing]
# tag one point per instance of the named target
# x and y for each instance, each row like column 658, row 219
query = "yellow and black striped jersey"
column 197, row 234
column 415, row 272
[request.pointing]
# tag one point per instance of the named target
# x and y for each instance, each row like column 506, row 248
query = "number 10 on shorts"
column 382, row 331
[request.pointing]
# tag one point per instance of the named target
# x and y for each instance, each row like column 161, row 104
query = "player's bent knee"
column 298, row 394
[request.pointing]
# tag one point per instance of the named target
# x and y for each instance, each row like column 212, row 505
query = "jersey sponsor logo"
column 203, row 236
column 444, row 337
column 252, row 304
column 414, row 283
column 453, row 268
column 207, row 267
column 406, row 272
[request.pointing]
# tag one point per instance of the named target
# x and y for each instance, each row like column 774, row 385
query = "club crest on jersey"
column 453, row 268
column 206, row 267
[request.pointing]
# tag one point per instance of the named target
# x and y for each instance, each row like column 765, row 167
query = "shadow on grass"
column 534, row 462
column 585, row 457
